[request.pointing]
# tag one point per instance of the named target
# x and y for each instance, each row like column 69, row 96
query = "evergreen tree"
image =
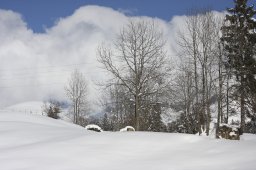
column 156, row 122
column 238, row 36
column 106, row 123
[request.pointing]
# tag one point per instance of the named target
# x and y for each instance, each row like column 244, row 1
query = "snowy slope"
column 34, row 142
column 34, row 107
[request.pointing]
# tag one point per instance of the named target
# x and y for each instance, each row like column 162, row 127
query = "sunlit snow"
column 36, row 142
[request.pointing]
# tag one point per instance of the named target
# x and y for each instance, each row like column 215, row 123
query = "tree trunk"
column 227, row 100
column 137, row 126
column 203, row 100
column 220, row 113
column 197, row 100
column 207, row 103
column 242, row 125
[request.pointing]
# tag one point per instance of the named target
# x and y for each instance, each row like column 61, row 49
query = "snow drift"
column 35, row 142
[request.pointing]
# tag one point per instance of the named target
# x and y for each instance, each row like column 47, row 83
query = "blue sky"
column 41, row 14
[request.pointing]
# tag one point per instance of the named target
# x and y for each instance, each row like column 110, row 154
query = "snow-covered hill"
column 34, row 107
column 37, row 108
column 34, row 142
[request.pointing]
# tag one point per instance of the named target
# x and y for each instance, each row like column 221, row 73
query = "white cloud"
column 34, row 66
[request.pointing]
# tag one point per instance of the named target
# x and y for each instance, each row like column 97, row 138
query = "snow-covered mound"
column 127, row 128
column 34, row 142
column 93, row 127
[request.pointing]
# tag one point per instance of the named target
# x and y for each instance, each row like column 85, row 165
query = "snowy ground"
column 34, row 107
column 35, row 142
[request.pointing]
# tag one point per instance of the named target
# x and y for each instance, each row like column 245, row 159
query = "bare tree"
column 117, row 105
column 184, row 95
column 189, row 44
column 138, row 62
column 199, row 43
column 207, row 39
column 77, row 92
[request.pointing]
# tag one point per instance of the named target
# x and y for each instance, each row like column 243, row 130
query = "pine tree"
column 239, row 34
column 105, row 123
column 156, row 122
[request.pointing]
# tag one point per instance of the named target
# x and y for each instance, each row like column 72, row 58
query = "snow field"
column 34, row 142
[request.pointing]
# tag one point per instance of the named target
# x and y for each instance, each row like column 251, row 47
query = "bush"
column 231, row 132
column 52, row 109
